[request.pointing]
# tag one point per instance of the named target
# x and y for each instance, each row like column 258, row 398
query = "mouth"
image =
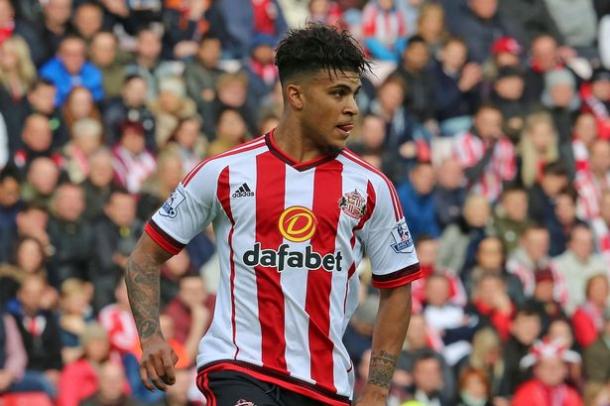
column 345, row 128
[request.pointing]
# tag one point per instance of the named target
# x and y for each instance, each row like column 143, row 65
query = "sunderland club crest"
column 353, row 204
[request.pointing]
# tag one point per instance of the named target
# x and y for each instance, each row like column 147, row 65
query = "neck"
column 290, row 138
column 146, row 62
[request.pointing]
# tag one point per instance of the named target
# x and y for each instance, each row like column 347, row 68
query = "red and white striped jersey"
column 290, row 236
column 469, row 149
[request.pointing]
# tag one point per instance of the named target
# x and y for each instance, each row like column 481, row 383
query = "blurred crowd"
column 492, row 118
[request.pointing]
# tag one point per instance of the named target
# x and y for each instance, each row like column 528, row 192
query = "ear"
column 295, row 96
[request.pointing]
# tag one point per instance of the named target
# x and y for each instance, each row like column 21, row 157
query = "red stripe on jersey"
column 204, row 387
column 270, row 189
column 283, row 381
column 398, row 278
column 248, row 146
column 328, row 188
column 162, row 238
column 395, row 201
column 224, row 197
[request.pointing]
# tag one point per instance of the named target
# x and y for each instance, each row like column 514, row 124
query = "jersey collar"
column 299, row 166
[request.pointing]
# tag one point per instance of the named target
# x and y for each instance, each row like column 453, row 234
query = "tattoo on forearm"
column 143, row 288
column 381, row 369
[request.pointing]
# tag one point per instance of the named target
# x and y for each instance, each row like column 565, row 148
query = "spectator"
column 232, row 93
column 383, row 43
column 538, row 147
column 584, row 133
column 132, row 163
column 17, row 74
column 158, row 187
column 588, row 319
column 130, row 107
column 40, row 334
column 41, row 100
column 202, row 72
column 459, row 241
column 528, row 20
column 450, row 193
column 562, row 221
column 487, row 156
column 543, row 193
column 174, row 269
column 560, row 331
column 596, row 100
column 417, row 196
column 111, row 389
column 192, row 305
column 87, row 20
column 507, row 94
column 115, row 236
column 147, row 63
column 97, row 186
column 550, row 370
column 428, row 380
column 231, row 131
column 431, row 26
column 545, row 57
column 473, row 388
column 601, row 228
column 12, row 354
column 10, row 205
column 75, row 314
column 54, row 24
column 576, row 22
column 525, row 330
column 76, row 155
column 597, row 355
column 188, row 142
column 41, row 179
column 80, row 379
column 70, row 68
column 171, row 106
column 105, row 56
column 184, row 23
column 456, row 87
column 261, row 69
column 32, row 222
column 490, row 301
column 561, row 99
column 323, row 11
column 79, row 104
column 117, row 320
column 510, row 219
column 543, row 299
column 414, row 70
column 577, row 264
column 70, row 235
column 591, row 183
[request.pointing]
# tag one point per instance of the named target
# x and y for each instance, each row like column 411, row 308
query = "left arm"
column 388, row 336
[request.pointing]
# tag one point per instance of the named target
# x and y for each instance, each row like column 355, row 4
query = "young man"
column 293, row 211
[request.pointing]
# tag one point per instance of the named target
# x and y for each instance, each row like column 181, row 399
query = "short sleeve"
column 187, row 211
column 388, row 242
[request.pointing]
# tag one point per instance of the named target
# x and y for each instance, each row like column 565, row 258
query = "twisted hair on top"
column 319, row 47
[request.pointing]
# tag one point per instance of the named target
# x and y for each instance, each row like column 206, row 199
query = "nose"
column 352, row 107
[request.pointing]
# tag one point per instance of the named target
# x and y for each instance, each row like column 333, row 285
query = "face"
column 103, row 49
column 264, row 54
column 134, row 93
column 488, row 123
column 585, row 128
column 133, row 141
column 72, row 54
column 560, row 331
column 477, row 211
column 100, row 170
column 42, row 99
column 37, row 133
column 179, row 264
column 30, row 294
column 391, row 96
column 507, row 59
column 454, row 55
column 601, row 89
column 484, row 9
column 536, row 244
column 427, row 375
column 170, row 173
column 30, row 257
column 10, row 192
column 6, row 12
column 416, row 334
column 43, row 176
column 544, row 52
column 97, row 349
column 490, row 255
column 148, row 45
column 427, row 251
column 69, row 203
column 88, row 20
column 187, row 133
column 581, row 242
column 88, row 142
column 231, row 127
column 417, row 56
column 510, row 87
column 80, row 103
column 121, row 209
column 544, row 291
column 488, row 289
column 58, row 11
column 423, row 179
column 600, row 157
column 526, row 328
column 475, row 387
column 233, row 93
column 450, row 174
column 169, row 101
column 192, row 290
column 209, row 52
column 437, row 291
column 9, row 60
column 432, row 22
column 373, row 132
column 551, row 371
column 515, row 204
column 565, row 209
column 326, row 105
column 111, row 382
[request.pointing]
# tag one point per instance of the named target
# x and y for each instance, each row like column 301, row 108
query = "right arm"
column 143, row 285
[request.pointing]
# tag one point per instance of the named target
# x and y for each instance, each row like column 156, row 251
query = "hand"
column 157, row 363
column 502, row 303
column 408, row 150
column 6, row 378
column 119, row 260
column 197, row 8
column 471, row 76
column 372, row 396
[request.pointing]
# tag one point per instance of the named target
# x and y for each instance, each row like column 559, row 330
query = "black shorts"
column 230, row 388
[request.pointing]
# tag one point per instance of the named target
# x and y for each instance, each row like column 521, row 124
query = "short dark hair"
column 10, row 171
column 416, row 39
column 555, row 168
column 319, row 47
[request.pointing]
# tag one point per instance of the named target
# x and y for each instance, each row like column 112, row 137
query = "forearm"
column 388, row 337
column 143, row 287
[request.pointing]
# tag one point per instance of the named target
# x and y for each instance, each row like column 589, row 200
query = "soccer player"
column 293, row 212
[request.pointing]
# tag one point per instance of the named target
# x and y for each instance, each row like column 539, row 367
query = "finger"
column 174, row 358
column 169, row 377
column 144, row 376
column 154, row 376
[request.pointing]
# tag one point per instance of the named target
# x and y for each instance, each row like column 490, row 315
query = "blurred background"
column 492, row 118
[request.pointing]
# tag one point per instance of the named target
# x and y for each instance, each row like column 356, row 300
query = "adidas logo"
column 243, row 191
